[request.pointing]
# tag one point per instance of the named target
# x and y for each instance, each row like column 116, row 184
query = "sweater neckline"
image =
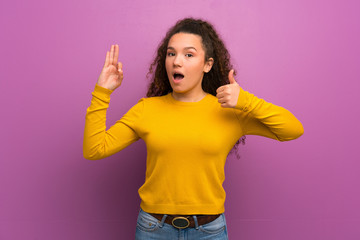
column 204, row 100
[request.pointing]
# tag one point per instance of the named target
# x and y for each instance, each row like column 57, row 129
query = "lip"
column 176, row 81
column 177, row 72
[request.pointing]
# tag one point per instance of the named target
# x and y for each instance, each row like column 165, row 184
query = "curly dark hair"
column 214, row 48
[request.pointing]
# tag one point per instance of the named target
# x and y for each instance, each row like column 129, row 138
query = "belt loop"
column 196, row 222
column 163, row 220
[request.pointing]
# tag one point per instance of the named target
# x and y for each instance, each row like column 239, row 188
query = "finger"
column 220, row 89
column 119, row 66
column 116, row 53
column 224, row 105
column 224, row 99
column 221, row 100
column 107, row 59
column 112, row 54
column 220, row 95
column 231, row 76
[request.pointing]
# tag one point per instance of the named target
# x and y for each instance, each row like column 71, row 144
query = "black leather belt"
column 185, row 221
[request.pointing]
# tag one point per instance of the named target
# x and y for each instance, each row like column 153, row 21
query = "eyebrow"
column 184, row 48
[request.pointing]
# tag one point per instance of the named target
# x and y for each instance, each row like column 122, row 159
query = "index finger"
column 220, row 89
column 107, row 59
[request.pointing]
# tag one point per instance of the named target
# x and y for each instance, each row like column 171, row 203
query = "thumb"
column 119, row 66
column 231, row 76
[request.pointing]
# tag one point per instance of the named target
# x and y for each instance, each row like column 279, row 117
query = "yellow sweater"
column 187, row 144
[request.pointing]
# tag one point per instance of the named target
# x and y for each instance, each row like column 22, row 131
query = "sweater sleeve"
column 99, row 143
column 262, row 118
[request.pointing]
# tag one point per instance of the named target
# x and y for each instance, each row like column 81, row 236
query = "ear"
column 208, row 65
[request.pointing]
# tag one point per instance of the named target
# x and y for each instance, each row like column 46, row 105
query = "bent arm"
column 99, row 143
column 262, row 118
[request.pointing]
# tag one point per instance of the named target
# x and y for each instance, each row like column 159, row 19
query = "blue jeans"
column 148, row 227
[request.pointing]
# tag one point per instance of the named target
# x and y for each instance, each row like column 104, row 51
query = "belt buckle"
column 180, row 222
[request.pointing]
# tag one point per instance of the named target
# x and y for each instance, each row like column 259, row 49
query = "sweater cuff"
column 102, row 93
column 242, row 102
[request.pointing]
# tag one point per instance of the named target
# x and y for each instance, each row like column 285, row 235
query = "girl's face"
column 185, row 63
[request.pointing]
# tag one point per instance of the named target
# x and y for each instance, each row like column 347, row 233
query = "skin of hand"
column 228, row 94
column 112, row 74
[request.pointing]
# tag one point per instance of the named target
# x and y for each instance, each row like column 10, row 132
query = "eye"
column 189, row 55
column 170, row 54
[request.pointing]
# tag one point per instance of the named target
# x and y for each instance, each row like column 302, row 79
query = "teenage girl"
column 194, row 113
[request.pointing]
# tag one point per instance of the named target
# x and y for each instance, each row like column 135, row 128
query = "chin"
column 177, row 90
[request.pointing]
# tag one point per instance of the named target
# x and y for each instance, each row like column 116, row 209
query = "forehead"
column 183, row 40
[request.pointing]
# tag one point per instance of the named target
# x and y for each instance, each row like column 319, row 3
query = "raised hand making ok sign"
column 111, row 75
column 228, row 94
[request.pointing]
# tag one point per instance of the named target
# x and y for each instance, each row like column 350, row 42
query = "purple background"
column 300, row 54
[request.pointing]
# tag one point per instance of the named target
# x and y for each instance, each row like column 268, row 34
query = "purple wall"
column 302, row 55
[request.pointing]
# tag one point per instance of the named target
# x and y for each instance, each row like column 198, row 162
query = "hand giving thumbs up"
column 228, row 94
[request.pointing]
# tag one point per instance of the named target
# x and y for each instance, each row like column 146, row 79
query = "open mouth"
column 178, row 76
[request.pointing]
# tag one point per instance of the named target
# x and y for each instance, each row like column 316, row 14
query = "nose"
column 178, row 61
